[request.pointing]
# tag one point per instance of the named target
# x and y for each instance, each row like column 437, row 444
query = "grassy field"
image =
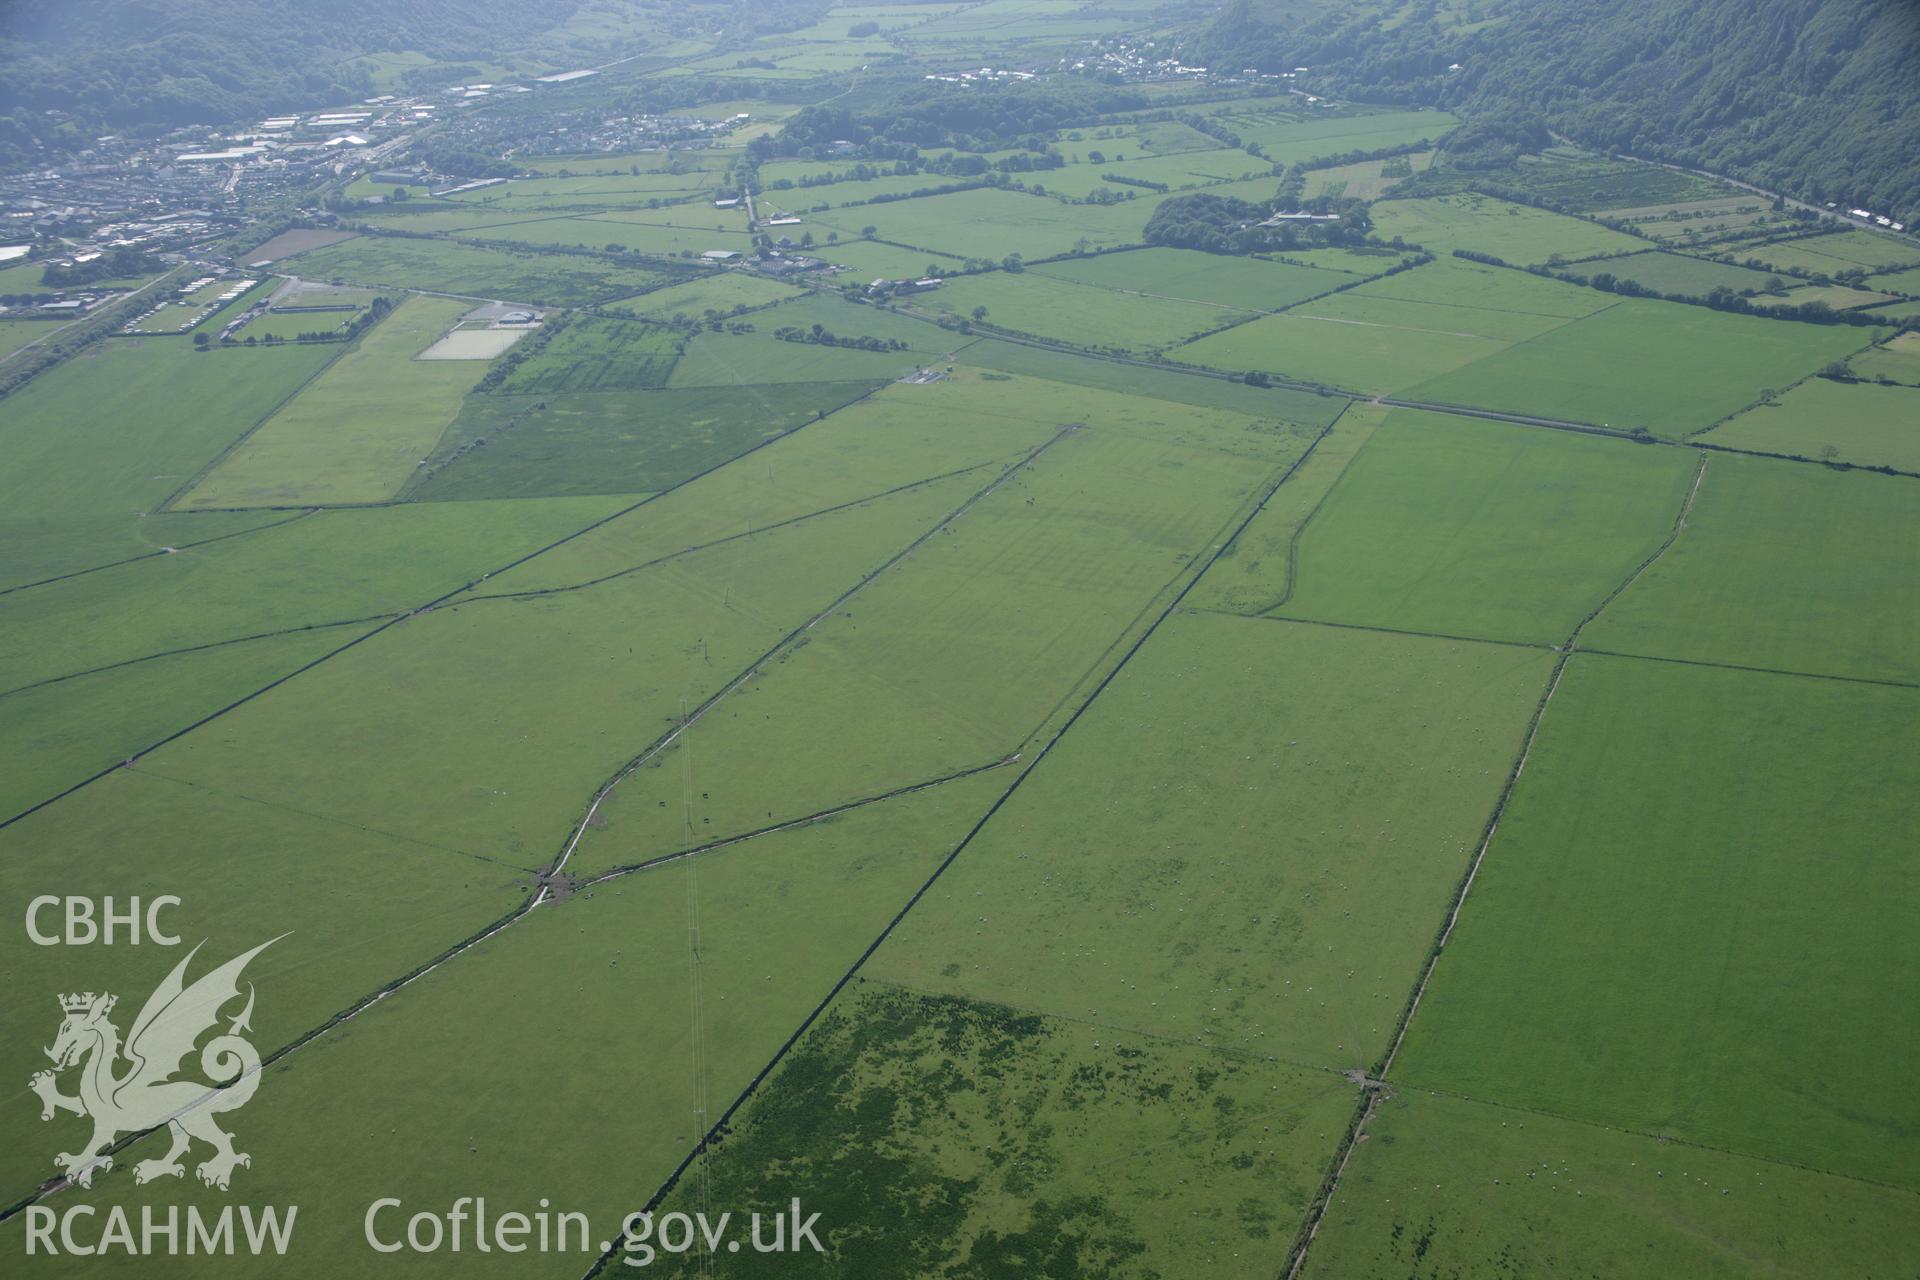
column 1451, row 1186
column 477, row 271
column 98, row 443
column 1691, row 367
column 596, row 354
column 898, row 437
column 1898, row 360
column 313, row 570
column 778, row 920
column 1156, row 1158
column 1516, row 233
column 359, row 430
column 1837, row 296
column 1858, row 422
column 1290, row 138
column 1039, row 574
column 1782, row 566
column 1028, row 302
column 1301, row 407
column 697, row 299
column 1391, row 333
column 611, row 234
column 1834, row 252
column 1225, row 282
column 1676, row 273
column 58, row 735
column 516, row 446
column 1176, row 868
column 1257, row 568
column 1364, row 179
column 1652, row 882
column 759, row 357
column 1330, row 345
column 1904, row 282
column 1482, row 530
column 988, row 223
column 871, row 260
column 15, row 334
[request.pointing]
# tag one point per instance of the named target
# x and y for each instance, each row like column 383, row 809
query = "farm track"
column 1357, row 1131
column 1172, row 607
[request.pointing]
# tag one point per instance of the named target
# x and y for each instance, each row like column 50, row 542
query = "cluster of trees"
column 1815, row 99
column 826, row 337
column 1125, row 181
column 115, row 264
column 921, row 113
column 459, row 162
column 1224, row 224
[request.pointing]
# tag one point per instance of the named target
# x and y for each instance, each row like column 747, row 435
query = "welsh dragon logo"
column 132, row 1087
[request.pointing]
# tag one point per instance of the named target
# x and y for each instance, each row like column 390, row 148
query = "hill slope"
column 1812, row 97
column 113, row 64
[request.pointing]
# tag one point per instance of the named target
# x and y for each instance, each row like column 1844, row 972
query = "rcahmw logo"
column 143, row 1083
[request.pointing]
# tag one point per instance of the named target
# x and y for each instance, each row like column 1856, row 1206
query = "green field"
column 1784, row 567
column 1458, row 1186
column 356, row 433
column 1654, row 882
column 476, row 271
column 1391, row 334
column 1301, row 407
column 1177, row 869
column 1027, row 302
column 594, row 354
column 1839, row 251
column 513, row 446
column 695, row 299
column 880, row 679
column 1676, row 273
column 99, row 443
column 1375, row 355
column 1863, row 423
column 1200, row 277
column 1478, row 529
column 1291, row 138
column 1515, row 233
column 1898, row 360
column 991, row 224
column 1156, row 1156
column 1691, row 366
column 1258, row 568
